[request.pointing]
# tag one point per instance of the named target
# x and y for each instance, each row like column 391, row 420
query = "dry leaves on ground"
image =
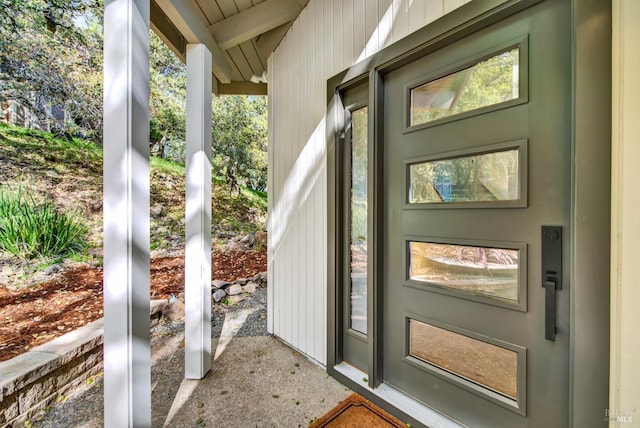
column 35, row 315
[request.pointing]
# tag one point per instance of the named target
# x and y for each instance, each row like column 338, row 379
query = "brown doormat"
column 357, row 412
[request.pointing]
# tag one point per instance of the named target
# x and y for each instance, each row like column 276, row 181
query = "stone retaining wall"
column 32, row 381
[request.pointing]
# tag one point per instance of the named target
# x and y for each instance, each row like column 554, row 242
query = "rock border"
column 222, row 289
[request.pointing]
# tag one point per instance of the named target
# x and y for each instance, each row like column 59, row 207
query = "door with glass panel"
column 354, row 197
column 476, row 167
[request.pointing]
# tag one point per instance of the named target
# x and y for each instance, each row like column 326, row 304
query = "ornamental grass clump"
column 31, row 229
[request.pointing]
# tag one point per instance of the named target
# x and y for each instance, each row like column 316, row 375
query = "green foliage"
column 167, row 102
column 488, row 82
column 51, row 55
column 167, row 166
column 30, row 229
column 32, row 154
column 42, row 149
column 242, row 213
column 239, row 124
column 39, row 160
column 256, row 198
column 48, row 60
column 359, row 176
column 240, row 141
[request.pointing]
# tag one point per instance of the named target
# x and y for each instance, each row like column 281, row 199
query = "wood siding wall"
column 328, row 37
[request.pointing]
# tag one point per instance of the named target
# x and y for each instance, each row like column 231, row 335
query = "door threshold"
column 397, row 399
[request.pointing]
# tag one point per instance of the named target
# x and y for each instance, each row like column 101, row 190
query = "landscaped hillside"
column 69, row 173
column 43, row 298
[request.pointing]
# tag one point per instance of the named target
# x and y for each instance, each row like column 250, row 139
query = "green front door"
column 476, row 160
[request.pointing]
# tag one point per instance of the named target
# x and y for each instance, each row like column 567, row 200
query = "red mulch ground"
column 35, row 315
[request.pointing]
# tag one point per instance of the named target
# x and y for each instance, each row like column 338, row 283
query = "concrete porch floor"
column 256, row 380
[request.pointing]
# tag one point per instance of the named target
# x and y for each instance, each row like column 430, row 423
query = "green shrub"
column 30, row 229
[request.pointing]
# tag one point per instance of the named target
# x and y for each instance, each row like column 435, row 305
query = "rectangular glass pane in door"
column 487, row 177
column 492, row 81
column 490, row 366
column 471, row 269
column 358, row 220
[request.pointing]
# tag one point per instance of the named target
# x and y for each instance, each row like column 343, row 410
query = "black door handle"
column 550, row 310
column 551, row 276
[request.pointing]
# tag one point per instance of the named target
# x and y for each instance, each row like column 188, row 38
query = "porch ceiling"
column 241, row 34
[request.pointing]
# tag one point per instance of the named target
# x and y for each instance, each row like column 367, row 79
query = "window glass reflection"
column 480, row 270
column 358, row 220
column 482, row 363
column 478, row 178
column 492, row 81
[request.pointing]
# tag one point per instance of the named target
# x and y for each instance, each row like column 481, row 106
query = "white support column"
column 624, row 383
column 198, row 214
column 270, row 194
column 127, row 355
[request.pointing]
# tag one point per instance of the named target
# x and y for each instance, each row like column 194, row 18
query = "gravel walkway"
column 256, row 380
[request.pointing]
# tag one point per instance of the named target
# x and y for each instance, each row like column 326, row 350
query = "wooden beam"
column 269, row 41
column 186, row 20
column 254, row 21
column 242, row 88
column 167, row 32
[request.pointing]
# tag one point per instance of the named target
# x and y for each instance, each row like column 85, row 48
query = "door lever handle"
column 550, row 309
column 551, row 276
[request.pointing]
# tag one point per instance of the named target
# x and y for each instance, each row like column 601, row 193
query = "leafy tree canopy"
column 167, row 101
column 51, row 54
column 240, row 140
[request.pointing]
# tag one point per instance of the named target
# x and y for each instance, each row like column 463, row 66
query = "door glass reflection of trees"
column 358, row 220
column 492, row 81
column 478, row 178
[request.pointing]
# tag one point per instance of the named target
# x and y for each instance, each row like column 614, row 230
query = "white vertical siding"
column 328, row 37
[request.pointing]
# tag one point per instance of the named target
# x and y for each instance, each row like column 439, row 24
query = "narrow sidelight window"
column 358, row 220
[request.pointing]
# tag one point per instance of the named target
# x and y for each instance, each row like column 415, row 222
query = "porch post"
column 198, row 214
column 624, row 386
column 127, row 355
